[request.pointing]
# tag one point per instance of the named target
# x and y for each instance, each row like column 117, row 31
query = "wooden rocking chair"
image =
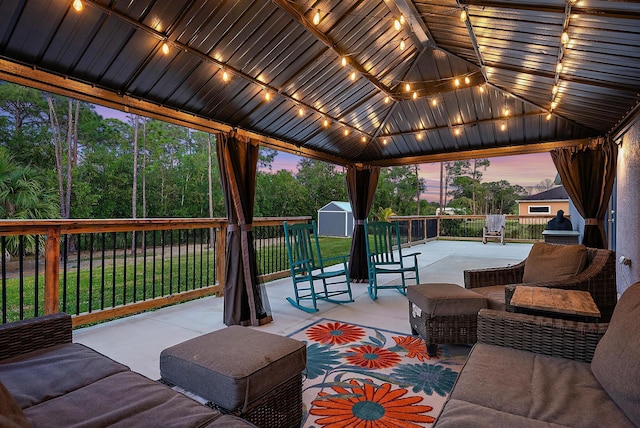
column 307, row 265
column 382, row 239
column 494, row 228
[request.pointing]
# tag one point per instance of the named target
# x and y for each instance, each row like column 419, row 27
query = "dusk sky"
column 525, row 170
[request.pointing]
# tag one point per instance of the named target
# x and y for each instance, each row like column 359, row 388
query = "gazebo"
column 362, row 84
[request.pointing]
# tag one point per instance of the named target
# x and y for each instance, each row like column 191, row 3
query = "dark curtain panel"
column 361, row 187
column 245, row 299
column 588, row 172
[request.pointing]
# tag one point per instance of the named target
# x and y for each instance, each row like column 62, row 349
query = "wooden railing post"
column 221, row 253
column 52, row 272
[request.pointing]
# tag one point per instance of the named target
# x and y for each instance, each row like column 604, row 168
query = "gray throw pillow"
column 616, row 361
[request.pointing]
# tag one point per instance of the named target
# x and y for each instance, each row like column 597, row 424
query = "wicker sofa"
column 597, row 276
column 46, row 380
column 535, row 371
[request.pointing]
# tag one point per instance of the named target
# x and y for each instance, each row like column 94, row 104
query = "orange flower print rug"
column 359, row 376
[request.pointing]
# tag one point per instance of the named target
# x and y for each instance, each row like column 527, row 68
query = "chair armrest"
column 29, row 335
column 475, row 278
column 542, row 335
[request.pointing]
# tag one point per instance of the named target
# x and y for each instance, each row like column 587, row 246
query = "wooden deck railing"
column 101, row 269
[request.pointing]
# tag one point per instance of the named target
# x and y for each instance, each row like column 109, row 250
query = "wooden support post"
column 52, row 272
column 221, row 253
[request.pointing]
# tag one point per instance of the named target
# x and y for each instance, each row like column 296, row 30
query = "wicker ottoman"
column 246, row 372
column 444, row 313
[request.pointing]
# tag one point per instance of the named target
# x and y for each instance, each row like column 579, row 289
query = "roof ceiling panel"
column 508, row 49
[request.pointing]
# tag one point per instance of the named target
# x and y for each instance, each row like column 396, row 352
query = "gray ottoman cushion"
column 442, row 299
column 234, row 366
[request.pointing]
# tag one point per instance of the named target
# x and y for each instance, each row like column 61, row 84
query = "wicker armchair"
column 598, row 278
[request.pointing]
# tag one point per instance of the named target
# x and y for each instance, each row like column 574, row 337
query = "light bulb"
column 353, row 76
column 344, row 61
column 503, row 127
column 434, row 102
column 463, row 15
column 419, row 137
column 225, row 76
column 457, row 82
column 402, row 45
column 554, row 105
column 316, row 18
column 467, row 80
column 481, row 89
column 346, row 132
column 267, row 96
column 407, row 87
column 397, row 25
column 165, row 48
column 559, row 67
column 415, row 95
column 325, row 123
column 386, row 100
column 384, row 141
column 457, row 131
column 364, row 139
column 506, row 111
column 77, row 5
column 548, row 116
column 301, row 111
column 554, row 90
column 402, row 19
column 565, row 38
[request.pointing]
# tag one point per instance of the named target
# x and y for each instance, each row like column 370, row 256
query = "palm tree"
column 384, row 214
column 23, row 196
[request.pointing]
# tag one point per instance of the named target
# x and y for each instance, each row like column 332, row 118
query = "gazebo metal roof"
column 486, row 83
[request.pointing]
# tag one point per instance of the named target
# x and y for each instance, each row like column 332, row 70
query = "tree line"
column 59, row 158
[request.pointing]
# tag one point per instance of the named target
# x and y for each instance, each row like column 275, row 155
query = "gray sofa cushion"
column 55, row 371
column 11, row 415
column 124, row 399
column 458, row 414
column 616, row 361
column 494, row 295
column 535, row 386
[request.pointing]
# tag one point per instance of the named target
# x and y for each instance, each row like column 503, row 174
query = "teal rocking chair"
column 307, row 266
column 382, row 238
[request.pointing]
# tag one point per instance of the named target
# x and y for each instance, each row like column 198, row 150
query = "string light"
column 481, row 89
column 419, row 137
column 325, row 123
column 434, row 102
column 397, row 25
column 316, row 18
column 467, row 80
column 407, row 87
column 463, row 15
column 503, row 126
column 456, row 82
column 402, row 45
column 165, row 48
column 364, row 139
column 554, row 90
column 77, row 5
column 387, row 99
column 301, row 111
column 506, row 111
column 267, row 96
column 344, row 61
column 402, row 19
column 559, row 67
column 548, row 116
column 457, row 131
column 225, row 76
column 384, row 141
column 353, row 76
column 554, row 104
column 565, row 38
column 415, row 95
column 346, row 132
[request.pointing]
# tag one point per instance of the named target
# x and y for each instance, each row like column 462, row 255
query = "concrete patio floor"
column 138, row 340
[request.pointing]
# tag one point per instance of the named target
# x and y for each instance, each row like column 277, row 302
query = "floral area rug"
column 359, row 376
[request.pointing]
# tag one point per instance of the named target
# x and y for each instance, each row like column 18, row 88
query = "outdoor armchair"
column 598, row 277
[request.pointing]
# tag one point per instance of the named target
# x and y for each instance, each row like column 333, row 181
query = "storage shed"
column 335, row 219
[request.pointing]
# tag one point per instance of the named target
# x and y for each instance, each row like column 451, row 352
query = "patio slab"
column 138, row 340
